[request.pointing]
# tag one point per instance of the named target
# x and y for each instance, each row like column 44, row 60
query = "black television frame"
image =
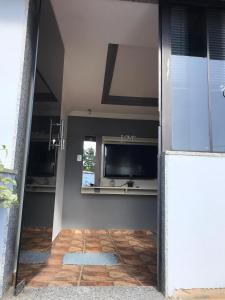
column 125, row 143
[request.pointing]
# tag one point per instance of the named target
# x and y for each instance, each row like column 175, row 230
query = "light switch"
column 79, row 157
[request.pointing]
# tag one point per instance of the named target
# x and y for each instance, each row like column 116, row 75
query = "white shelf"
column 106, row 190
column 40, row 188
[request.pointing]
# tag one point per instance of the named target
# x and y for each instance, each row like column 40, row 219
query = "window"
column 197, row 79
column 189, row 80
column 216, row 25
column 89, row 161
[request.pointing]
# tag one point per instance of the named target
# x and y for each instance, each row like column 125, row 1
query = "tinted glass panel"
column 188, row 32
column 42, row 162
column 216, row 27
column 189, row 80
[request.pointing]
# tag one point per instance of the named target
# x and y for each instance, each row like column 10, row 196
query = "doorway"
column 116, row 212
column 45, row 139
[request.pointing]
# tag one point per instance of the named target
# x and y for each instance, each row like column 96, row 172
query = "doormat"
column 33, row 257
column 89, row 258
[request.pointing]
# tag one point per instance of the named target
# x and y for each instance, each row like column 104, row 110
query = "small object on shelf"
column 112, row 183
column 130, row 183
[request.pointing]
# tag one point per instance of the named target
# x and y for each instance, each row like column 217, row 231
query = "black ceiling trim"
column 200, row 3
column 44, row 96
column 120, row 100
column 143, row 1
column 109, row 70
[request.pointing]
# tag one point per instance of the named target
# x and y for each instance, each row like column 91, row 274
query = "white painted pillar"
column 13, row 25
column 194, row 222
column 58, row 208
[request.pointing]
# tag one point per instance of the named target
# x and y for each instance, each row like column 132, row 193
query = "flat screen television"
column 131, row 161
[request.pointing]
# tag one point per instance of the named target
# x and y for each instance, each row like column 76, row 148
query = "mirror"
column 89, row 162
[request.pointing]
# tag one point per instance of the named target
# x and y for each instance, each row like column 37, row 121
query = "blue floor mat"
column 32, row 257
column 104, row 259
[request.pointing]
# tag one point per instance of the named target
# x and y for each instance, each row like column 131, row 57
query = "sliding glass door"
column 195, row 75
column 216, row 45
column 189, row 80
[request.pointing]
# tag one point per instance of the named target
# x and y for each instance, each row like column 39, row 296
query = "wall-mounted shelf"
column 118, row 191
column 40, row 188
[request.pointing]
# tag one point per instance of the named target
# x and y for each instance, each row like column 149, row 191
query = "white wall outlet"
column 79, row 157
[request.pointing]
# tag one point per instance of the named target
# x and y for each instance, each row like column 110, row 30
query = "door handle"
column 222, row 87
column 56, row 142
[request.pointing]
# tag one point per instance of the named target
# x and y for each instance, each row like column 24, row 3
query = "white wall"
column 57, row 219
column 13, row 21
column 194, row 221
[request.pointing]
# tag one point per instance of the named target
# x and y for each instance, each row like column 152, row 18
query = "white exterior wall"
column 194, row 221
column 57, row 219
column 13, row 25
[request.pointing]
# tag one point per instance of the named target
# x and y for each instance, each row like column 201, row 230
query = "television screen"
column 130, row 161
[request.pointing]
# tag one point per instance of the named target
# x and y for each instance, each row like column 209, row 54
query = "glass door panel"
column 189, row 80
column 216, row 42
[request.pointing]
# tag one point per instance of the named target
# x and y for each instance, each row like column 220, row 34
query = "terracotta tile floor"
column 136, row 251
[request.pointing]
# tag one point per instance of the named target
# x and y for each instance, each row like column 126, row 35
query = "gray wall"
column 104, row 211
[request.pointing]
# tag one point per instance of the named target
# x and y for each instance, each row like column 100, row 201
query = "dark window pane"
column 188, row 32
column 216, row 33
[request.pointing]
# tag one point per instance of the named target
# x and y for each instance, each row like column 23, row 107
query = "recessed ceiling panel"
column 87, row 27
column 135, row 72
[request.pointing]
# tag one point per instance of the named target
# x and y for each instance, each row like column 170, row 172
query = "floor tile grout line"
column 80, row 275
column 115, row 247
column 84, row 241
column 117, row 251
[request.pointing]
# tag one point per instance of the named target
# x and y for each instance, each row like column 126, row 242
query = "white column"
column 58, row 208
column 13, row 24
column 194, row 221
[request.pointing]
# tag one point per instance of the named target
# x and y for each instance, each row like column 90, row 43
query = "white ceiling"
column 87, row 27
